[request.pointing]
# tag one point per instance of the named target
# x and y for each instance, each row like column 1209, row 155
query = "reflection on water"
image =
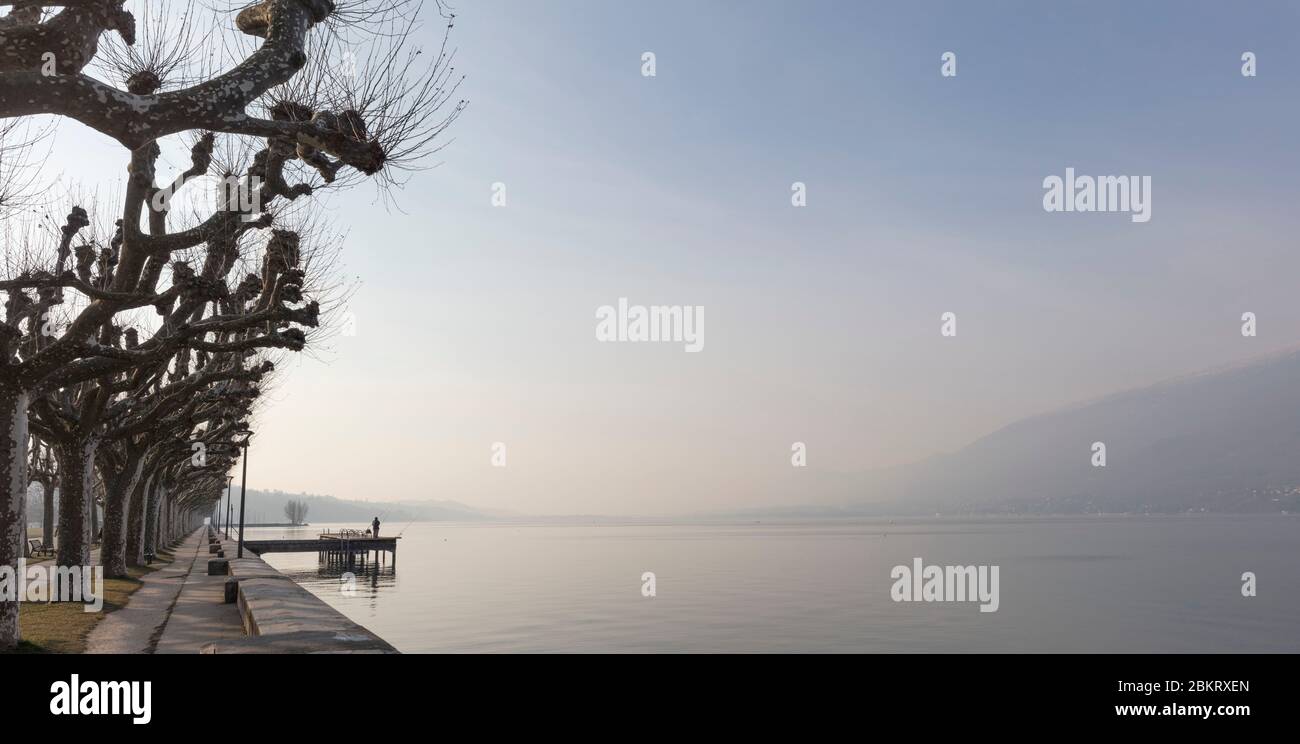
column 323, row 578
column 1073, row 584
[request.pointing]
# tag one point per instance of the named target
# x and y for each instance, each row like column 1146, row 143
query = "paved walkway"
column 177, row 610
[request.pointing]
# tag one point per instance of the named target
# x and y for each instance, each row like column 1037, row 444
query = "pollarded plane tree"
column 165, row 466
column 177, row 487
column 311, row 96
column 193, row 407
column 132, row 463
column 204, row 335
column 142, row 408
column 211, row 385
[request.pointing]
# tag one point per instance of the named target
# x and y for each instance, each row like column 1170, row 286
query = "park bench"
column 38, row 548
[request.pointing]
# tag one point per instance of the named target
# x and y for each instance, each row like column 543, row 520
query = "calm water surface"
column 1074, row 584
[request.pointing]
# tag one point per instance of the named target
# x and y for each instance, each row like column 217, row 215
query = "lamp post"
column 229, row 480
column 243, row 489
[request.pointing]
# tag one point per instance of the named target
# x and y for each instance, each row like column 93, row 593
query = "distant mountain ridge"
column 1226, row 440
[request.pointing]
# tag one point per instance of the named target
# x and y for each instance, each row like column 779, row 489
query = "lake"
column 1070, row 584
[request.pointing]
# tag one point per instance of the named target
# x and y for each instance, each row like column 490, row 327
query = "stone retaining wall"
column 281, row 617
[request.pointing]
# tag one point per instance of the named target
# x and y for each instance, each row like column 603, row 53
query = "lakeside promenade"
column 182, row 608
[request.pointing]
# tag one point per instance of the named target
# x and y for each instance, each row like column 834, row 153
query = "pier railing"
column 344, row 534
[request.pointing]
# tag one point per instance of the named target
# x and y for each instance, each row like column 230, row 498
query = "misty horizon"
column 474, row 318
column 869, row 505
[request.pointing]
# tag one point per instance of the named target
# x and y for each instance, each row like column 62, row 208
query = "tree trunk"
column 112, row 549
column 47, row 518
column 135, row 523
column 117, row 502
column 151, row 518
column 13, row 505
column 77, row 475
column 164, row 521
column 93, row 510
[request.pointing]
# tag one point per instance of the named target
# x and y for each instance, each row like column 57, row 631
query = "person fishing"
column 375, row 527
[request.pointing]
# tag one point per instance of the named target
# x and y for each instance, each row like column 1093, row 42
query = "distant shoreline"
column 705, row 520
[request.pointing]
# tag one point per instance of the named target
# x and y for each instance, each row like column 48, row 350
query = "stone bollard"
column 232, row 590
column 214, row 548
column 218, row 567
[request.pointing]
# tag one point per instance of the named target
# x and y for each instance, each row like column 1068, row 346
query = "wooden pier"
column 345, row 549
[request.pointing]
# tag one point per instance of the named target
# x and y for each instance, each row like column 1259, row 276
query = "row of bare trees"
column 140, row 332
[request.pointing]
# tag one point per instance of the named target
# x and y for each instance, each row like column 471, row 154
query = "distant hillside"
column 1227, row 440
column 268, row 506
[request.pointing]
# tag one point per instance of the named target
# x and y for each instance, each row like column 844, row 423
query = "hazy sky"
column 476, row 324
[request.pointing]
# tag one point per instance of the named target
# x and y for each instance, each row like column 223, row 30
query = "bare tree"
column 295, row 98
column 296, row 511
